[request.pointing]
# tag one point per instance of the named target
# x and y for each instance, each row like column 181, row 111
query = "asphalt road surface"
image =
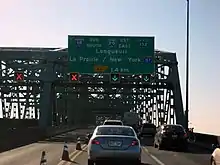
column 31, row 154
column 153, row 156
column 81, row 159
column 194, row 156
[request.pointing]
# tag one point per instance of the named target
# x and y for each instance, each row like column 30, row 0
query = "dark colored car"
column 171, row 136
column 148, row 129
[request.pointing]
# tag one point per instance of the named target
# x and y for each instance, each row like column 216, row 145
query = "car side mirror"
column 214, row 146
column 89, row 135
column 139, row 136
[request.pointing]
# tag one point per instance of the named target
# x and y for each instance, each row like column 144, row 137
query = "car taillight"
column 134, row 143
column 164, row 133
column 95, row 142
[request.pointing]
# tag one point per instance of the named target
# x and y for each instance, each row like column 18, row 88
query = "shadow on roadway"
column 191, row 150
column 198, row 150
column 120, row 163
column 149, row 141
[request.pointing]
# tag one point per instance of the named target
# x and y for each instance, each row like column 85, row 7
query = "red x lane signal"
column 19, row 76
column 74, row 76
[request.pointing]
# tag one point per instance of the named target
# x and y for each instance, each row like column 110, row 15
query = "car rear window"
column 175, row 128
column 112, row 123
column 147, row 125
column 115, row 131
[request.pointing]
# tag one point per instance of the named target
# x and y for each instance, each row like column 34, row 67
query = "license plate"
column 174, row 136
column 114, row 143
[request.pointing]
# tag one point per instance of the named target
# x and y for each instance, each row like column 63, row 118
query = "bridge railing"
column 206, row 140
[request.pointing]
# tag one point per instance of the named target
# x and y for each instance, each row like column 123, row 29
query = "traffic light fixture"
column 19, row 76
column 115, row 78
column 74, row 77
column 146, row 78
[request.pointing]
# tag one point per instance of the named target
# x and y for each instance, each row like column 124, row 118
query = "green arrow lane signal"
column 115, row 78
column 146, row 77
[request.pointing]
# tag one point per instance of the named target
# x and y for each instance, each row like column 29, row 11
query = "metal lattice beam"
column 46, row 88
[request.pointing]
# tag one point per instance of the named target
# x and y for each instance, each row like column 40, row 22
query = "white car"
column 113, row 122
column 114, row 143
column 215, row 158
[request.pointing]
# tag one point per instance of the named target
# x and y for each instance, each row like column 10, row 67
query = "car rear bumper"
column 114, row 155
column 148, row 133
column 174, row 142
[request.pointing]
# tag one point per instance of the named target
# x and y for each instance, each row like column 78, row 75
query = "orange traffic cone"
column 43, row 160
column 78, row 144
column 65, row 155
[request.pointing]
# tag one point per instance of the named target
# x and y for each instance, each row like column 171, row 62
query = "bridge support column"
column 178, row 103
column 82, row 112
column 45, row 106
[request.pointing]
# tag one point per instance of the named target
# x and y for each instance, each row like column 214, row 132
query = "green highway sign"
column 111, row 54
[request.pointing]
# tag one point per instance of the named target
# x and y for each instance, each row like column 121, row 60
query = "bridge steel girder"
column 46, row 85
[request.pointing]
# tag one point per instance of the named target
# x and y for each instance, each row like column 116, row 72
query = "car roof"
column 175, row 125
column 148, row 124
column 117, row 126
column 113, row 121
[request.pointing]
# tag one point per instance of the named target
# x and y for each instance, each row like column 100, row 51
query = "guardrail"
column 206, row 140
column 53, row 131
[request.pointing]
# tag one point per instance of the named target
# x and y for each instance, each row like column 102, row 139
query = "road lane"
column 170, row 157
column 82, row 158
column 195, row 156
column 198, row 155
column 31, row 154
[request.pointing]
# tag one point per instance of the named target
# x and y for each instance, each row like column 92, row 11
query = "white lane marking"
column 153, row 157
column 72, row 154
column 75, row 156
column 156, row 160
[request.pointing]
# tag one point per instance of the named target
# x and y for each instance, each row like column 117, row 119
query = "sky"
column 47, row 23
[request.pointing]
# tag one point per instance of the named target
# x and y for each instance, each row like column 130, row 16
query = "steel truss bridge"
column 47, row 95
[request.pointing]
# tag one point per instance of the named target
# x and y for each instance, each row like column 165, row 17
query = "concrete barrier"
column 53, row 131
column 17, row 137
column 6, row 123
column 206, row 140
column 13, row 138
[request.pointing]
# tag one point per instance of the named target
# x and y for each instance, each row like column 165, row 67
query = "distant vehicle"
column 215, row 158
column 131, row 119
column 113, row 122
column 114, row 142
column 148, row 129
column 169, row 136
